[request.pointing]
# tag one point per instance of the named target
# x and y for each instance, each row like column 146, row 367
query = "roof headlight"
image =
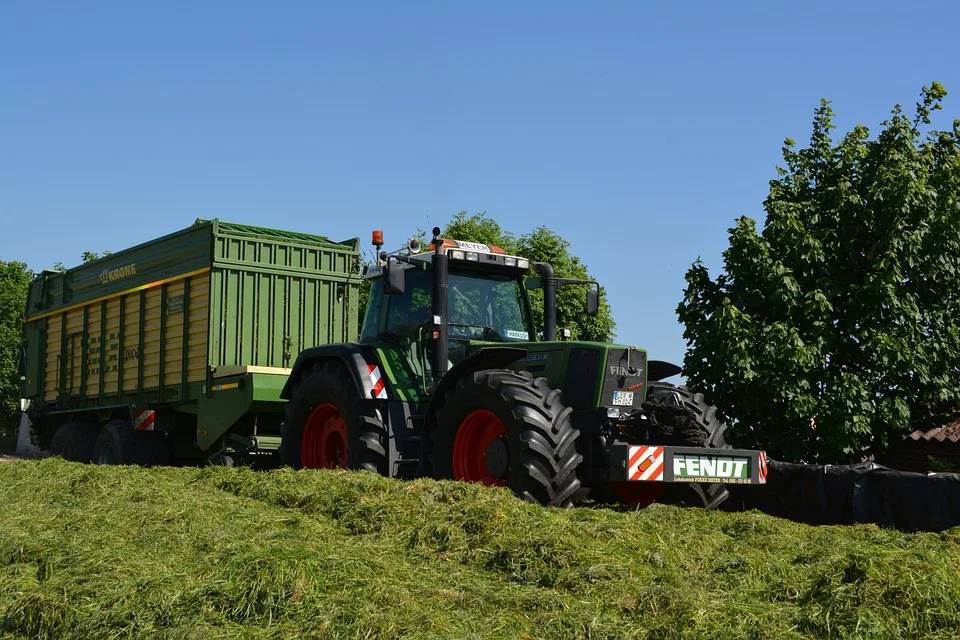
column 510, row 262
column 523, row 263
column 472, row 255
column 456, row 255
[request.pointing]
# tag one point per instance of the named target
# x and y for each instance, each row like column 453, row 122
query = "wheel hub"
column 107, row 456
column 324, row 442
column 480, row 449
column 496, row 458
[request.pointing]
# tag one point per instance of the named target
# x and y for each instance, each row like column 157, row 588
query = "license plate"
column 623, row 398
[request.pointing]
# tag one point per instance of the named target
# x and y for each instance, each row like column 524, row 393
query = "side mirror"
column 532, row 282
column 593, row 302
column 396, row 279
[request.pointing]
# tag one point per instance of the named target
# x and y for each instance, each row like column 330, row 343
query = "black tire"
column 541, row 440
column 120, row 443
column 221, row 460
column 329, row 382
column 74, row 441
column 711, row 432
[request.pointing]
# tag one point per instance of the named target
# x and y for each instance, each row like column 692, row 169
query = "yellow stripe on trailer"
column 115, row 295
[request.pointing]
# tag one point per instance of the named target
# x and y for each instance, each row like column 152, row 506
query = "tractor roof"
column 472, row 256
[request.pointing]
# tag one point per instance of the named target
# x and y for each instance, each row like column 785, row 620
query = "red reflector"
column 646, row 464
column 436, row 335
column 635, row 386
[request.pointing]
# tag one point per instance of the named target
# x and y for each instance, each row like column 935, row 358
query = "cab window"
column 409, row 311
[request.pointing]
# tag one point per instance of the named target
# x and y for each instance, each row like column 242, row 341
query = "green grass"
column 111, row 552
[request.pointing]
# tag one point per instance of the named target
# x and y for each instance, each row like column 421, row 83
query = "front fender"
column 659, row 370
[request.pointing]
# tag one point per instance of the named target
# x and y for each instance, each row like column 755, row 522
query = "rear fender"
column 354, row 357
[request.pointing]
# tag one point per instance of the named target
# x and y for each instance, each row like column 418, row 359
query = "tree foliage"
column 14, row 281
column 540, row 245
column 543, row 245
column 837, row 328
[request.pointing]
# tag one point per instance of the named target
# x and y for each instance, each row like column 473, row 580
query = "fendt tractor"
column 447, row 378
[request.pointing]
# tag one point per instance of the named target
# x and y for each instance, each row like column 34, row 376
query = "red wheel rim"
column 477, row 432
column 324, row 442
column 639, row 494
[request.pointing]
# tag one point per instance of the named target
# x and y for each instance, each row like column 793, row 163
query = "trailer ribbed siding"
column 272, row 300
column 148, row 325
column 102, row 360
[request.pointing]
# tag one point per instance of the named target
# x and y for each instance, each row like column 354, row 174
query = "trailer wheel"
column 74, row 441
column 327, row 426
column 503, row 428
column 120, row 443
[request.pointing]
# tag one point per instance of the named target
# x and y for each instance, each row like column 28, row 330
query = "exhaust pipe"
column 439, row 360
column 549, row 278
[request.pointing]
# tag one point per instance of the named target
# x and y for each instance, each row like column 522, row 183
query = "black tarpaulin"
column 850, row 494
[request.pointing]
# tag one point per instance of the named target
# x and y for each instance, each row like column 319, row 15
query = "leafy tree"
column 363, row 299
column 14, row 280
column 540, row 245
column 543, row 245
column 837, row 328
column 479, row 228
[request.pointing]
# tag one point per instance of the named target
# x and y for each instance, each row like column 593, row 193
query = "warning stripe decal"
column 379, row 384
column 646, row 463
column 143, row 420
column 762, row 467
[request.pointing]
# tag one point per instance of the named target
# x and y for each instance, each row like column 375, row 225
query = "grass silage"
column 107, row 552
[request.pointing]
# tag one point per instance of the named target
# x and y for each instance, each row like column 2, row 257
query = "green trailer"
column 178, row 348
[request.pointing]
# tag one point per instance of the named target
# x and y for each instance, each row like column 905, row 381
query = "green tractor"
column 448, row 381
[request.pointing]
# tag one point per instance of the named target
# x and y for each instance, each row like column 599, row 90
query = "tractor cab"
column 485, row 297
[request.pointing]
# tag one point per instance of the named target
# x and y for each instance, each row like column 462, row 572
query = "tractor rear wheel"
column 503, row 428
column 328, row 427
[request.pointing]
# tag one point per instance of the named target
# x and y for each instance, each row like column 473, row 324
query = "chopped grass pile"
column 106, row 552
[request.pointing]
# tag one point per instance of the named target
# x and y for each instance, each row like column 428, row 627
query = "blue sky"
column 637, row 132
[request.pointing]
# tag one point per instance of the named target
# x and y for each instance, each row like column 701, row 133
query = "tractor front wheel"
column 709, row 433
column 503, row 428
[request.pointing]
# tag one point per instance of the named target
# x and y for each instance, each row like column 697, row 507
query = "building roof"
column 949, row 432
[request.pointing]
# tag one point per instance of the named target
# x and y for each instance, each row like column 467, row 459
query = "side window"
column 372, row 317
column 408, row 311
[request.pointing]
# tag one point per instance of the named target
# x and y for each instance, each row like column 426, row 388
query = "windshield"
column 486, row 308
column 478, row 307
